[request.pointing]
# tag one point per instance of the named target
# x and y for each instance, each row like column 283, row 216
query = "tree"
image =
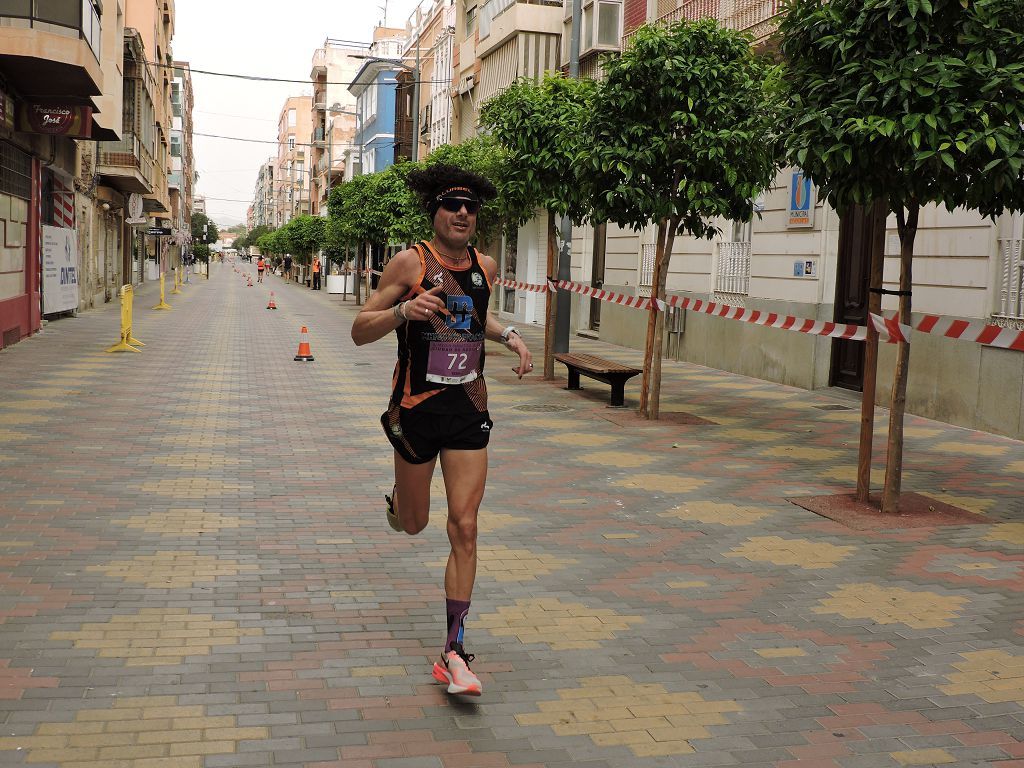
column 681, row 134
column 200, row 235
column 303, row 236
column 540, row 125
column 907, row 102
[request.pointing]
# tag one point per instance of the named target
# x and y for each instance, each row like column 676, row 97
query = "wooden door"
column 852, row 280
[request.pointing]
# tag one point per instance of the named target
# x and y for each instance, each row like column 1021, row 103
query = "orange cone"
column 304, row 355
column 271, row 305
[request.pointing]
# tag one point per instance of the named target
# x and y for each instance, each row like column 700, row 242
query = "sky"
column 267, row 40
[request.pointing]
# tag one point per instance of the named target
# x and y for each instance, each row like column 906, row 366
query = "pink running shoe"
column 454, row 670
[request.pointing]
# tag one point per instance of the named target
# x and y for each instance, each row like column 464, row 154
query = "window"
column 609, row 16
column 176, row 98
column 648, row 252
column 291, row 118
column 470, row 22
column 291, row 143
column 175, row 145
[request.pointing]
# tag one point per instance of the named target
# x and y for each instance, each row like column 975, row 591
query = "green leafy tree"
column 201, row 251
column 907, row 103
column 211, row 233
column 540, row 125
column 303, row 236
column 682, row 135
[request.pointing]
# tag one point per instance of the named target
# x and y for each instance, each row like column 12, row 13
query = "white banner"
column 60, row 269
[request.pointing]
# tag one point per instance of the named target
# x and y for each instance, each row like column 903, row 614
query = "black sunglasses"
column 454, row 204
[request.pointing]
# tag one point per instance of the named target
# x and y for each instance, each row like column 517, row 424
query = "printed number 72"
column 454, row 357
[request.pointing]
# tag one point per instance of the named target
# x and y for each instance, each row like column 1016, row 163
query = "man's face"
column 456, row 227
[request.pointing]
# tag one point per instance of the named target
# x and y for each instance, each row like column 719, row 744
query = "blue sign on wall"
column 801, row 200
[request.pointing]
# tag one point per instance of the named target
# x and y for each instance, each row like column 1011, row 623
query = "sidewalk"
column 195, row 569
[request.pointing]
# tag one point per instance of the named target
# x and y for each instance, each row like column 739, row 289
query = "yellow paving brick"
column 191, row 761
column 680, row 733
column 169, row 736
column 923, row 757
column 153, row 713
column 658, row 710
column 91, row 715
column 101, row 739
column 581, row 729
column 61, row 755
column 133, row 752
column 204, row 748
column 622, row 738
column 662, row 749
column 644, row 723
column 69, row 728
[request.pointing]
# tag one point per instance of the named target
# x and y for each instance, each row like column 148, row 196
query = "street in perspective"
column 497, row 383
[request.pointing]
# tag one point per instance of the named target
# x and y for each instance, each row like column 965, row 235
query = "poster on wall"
column 801, row 201
column 60, row 269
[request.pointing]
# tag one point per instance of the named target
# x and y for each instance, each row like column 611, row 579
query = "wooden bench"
column 598, row 368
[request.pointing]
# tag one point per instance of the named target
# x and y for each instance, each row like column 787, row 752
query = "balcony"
column 319, row 64
column 36, row 57
column 501, row 19
column 126, row 165
column 758, row 17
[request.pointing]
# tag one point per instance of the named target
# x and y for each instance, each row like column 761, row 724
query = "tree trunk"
column 654, row 405
column 652, row 323
column 357, row 287
column 894, row 460
column 549, row 302
column 879, row 212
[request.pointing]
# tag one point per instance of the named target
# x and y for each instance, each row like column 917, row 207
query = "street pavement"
column 196, row 569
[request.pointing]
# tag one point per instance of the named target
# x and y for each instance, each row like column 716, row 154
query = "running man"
column 260, row 266
column 435, row 297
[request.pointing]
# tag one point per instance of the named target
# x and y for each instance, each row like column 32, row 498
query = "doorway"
column 597, row 273
column 853, row 274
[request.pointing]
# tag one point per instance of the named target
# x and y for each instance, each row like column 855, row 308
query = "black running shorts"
column 419, row 437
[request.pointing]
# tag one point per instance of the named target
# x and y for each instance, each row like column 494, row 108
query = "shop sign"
column 158, row 231
column 801, row 200
column 60, row 269
column 69, row 120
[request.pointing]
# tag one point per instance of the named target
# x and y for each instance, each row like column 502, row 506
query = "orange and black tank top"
column 441, row 360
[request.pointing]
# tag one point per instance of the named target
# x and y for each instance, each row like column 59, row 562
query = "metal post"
column 563, row 306
column 416, row 95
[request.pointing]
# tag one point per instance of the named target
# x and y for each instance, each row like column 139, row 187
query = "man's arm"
column 379, row 317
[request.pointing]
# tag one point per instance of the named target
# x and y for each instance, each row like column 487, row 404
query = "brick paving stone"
column 194, row 567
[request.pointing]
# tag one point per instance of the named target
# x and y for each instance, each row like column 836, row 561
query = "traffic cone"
column 304, row 355
column 271, row 305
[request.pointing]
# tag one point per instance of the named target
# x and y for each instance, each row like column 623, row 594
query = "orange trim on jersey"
column 417, row 287
column 447, row 264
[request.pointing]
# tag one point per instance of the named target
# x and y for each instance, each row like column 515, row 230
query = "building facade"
column 291, row 166
column 58, row 70
column 182, row 179
column 810, row 262
column 264, row 207
column 374, row 89
column 334, row 117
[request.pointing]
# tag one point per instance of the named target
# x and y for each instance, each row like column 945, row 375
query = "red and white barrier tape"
column 889, row 329
column 521, row 286
column 977, row 331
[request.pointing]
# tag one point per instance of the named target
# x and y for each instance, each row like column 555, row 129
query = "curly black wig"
column 434, row 180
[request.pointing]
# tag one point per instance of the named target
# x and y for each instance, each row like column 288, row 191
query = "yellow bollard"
column 125, row 345
column 177, row 282
column 163, row 304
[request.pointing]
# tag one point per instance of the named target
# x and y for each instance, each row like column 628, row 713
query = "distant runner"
column 260, row 266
